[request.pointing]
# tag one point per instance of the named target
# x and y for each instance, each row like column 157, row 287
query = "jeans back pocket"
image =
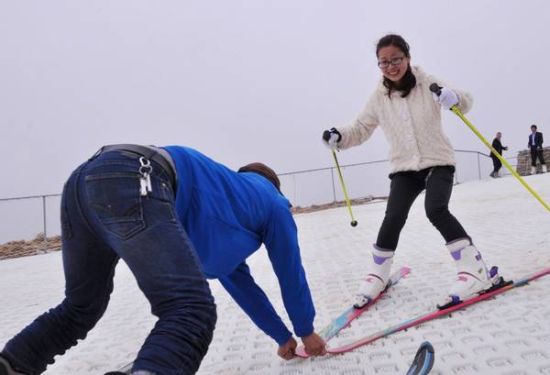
column 115, row 200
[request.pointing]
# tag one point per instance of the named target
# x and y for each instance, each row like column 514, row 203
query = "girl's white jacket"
column 412, row 125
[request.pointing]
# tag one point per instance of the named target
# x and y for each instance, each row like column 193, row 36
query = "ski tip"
column 423, row 360
column 426, row 345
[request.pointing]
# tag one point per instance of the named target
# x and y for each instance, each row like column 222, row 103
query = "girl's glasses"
column 383, row 64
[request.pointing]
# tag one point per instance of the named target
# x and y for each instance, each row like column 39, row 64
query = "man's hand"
column 314, row 345
column 287, row 350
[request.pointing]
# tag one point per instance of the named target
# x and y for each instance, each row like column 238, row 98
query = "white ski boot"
column 544, row 169
column 533, row 170
column 377, row 278
column 472, row 275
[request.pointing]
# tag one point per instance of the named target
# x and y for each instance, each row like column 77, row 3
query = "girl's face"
column 393, row 63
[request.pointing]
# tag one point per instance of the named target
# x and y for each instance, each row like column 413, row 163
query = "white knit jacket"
column 412, row 125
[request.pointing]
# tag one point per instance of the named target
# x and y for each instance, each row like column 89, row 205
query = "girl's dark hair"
column 407, row 83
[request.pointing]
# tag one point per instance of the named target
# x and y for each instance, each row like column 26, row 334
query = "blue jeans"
column 104, row 218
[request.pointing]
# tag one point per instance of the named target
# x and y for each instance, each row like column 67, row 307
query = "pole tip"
column 353, row 223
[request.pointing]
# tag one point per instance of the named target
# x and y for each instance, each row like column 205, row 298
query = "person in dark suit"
column 535, row 145
column 497, row 164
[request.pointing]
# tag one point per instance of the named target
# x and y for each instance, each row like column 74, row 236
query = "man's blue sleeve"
column 252, row 299
column 281, row 241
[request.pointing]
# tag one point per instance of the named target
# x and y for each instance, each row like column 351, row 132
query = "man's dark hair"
column 262, row 170
column 534, row 126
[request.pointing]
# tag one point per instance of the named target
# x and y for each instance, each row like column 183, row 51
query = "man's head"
column 263, row 170
column 499, row 135
column 533, row 128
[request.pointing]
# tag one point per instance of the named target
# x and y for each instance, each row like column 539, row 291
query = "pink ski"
column 438, row 313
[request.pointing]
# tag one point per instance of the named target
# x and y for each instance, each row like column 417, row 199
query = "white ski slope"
column 508, row 335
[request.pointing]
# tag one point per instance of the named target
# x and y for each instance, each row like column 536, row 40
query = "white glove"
column 331, row 138
column 447, row 98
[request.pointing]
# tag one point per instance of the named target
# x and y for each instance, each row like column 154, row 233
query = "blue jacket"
column 227, row 216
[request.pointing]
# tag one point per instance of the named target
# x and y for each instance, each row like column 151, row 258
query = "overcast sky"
column 248, row 80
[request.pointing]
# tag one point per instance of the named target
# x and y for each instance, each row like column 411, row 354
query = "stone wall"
column 524, row 161
column 15, row 249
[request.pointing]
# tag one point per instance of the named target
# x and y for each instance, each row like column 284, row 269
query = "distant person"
column 497, row 164
column 175, row 217
column 422, row 158
column 535, row 145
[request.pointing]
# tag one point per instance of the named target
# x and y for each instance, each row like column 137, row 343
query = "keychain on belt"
column 145, row 179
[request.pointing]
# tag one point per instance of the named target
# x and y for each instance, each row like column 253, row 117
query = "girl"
column 421, row 157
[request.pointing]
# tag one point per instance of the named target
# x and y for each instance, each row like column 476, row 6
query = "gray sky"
column 247, row 80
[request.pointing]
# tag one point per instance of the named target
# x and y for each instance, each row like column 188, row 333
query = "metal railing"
column 43, row 199
column 369, row 178
column 20, row 219
column 331, row 170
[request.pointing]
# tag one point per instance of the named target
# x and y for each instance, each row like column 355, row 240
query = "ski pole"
column 434, row 87
column 348, row 203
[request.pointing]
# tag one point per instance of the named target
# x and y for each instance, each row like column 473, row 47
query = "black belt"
column 149, row 152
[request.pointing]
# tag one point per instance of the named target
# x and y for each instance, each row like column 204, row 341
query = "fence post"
column 44, row 221
column 295, row 190
column 478, row 167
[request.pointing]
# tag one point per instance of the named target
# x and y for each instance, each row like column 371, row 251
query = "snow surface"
column 507, row 335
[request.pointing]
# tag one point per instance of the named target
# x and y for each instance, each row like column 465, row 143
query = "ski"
column 345, row 318
column 423, row 360
column 438, row 313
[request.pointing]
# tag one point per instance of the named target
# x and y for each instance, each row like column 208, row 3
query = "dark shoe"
column 6, row 369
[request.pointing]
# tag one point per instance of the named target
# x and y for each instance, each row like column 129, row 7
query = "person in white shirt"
column 422, row 158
